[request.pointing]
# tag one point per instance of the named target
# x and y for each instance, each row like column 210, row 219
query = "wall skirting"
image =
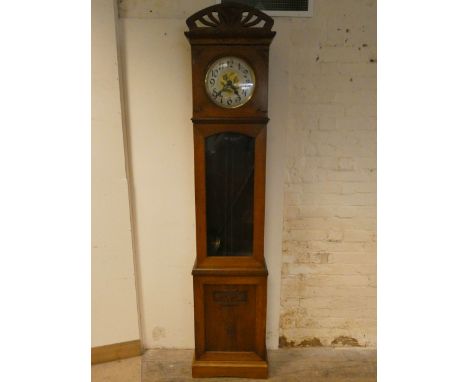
column 113, row 352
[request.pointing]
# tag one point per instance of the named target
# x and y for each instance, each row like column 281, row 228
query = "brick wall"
column 328, row 285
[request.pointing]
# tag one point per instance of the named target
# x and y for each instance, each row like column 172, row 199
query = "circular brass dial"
column 230, row 82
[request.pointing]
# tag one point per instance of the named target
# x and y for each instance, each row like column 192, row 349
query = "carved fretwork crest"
column 230, row 16
column 230, row 297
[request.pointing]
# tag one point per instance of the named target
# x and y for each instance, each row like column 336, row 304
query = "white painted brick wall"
column 329, row 235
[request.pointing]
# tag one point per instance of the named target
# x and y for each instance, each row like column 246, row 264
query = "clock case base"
column 230, row 313
column 239, row 369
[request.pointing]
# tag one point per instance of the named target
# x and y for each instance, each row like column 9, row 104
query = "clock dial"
column 230, row 82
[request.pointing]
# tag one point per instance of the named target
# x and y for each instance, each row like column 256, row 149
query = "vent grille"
column 279, row 7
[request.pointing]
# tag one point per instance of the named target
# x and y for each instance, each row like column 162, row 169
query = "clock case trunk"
column 230, row 292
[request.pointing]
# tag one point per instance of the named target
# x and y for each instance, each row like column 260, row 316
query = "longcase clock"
column 230, row 47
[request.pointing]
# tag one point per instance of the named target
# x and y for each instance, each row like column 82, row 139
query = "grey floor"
column 288, row 365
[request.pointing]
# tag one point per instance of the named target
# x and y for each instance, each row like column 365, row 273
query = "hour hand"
column 222, row 90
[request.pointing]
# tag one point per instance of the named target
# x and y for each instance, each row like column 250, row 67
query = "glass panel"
column 229, row 163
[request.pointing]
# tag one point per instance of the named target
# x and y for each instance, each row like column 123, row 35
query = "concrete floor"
column 288, row 365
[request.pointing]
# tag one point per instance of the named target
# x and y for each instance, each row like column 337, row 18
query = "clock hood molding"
column 230, row 20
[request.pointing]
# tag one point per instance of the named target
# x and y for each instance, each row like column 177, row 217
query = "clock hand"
column 235, row 90
column 222, row 90
column 219, row 93
column 233, row 87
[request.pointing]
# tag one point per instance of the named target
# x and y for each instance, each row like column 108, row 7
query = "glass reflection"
column 229, row 161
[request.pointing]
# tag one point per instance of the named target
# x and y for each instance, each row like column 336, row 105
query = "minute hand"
column 233, row 87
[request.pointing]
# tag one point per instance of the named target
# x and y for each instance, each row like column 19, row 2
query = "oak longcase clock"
column 230, row 47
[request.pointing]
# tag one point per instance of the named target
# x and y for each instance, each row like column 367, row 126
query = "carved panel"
column 230, row 313
column 230, row 16
column 230, row 297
